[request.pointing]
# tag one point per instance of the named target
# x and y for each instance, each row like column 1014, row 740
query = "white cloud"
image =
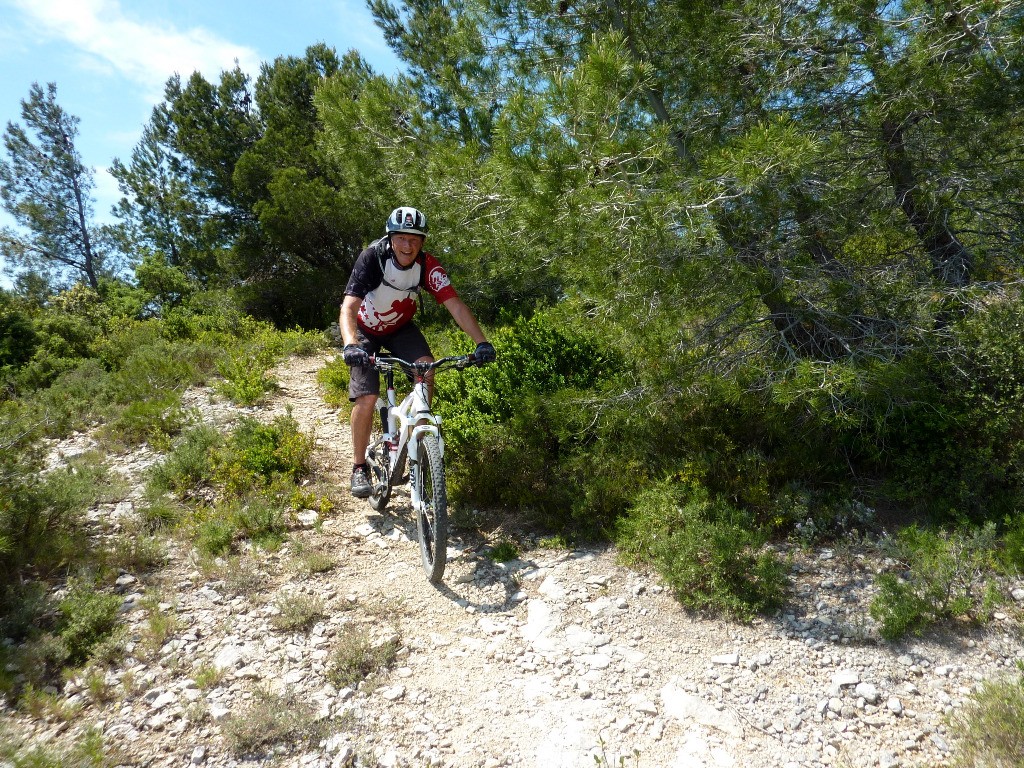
column 144, row 53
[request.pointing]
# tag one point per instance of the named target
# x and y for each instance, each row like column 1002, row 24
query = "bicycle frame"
column 406, row 422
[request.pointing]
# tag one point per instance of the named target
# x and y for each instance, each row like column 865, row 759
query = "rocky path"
column 560, row 658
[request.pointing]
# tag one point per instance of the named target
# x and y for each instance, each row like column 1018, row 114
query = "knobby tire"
column 377, row 463
column 432, row 517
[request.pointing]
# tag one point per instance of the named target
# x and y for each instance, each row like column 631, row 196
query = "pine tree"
column 47, row 189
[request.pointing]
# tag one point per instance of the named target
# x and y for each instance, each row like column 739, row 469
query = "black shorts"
column 407, row 343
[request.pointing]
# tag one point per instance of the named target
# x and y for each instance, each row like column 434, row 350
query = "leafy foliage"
column 944, row 579
column 990, row 727
column 708, row 552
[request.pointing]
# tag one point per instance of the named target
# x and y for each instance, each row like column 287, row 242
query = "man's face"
column 406, row 247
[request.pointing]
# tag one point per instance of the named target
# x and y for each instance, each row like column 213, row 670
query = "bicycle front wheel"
column 380, row 473
column 432, row 513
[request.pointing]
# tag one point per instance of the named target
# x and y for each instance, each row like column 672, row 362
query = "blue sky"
column 111, row 58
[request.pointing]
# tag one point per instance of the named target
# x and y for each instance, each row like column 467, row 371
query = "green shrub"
column 503, row 551
column 41, row 516
column 943, row 578
column 1012, row 552
column 256, row 453
column 297, row 613
column 189, row 463
column 152, row 421
column 245, row 378
column 990, row 727
column 709, row 553
column 516, row 428
column 215, row 533
column 22, row 606
column 262, row 518
column 958, row 451
column 87, row 616
column 18, row 338
column 333, row 379
column 74, row 401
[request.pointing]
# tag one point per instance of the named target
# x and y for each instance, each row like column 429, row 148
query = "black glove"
column 484, row 353
column 355, row 356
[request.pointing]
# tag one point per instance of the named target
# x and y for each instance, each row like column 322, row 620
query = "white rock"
column 393, row 693
column 729, row 659
column 198, row 756
column 846, row 677
column 229, row 658
column 685, row 707
column 643, row 705
column 894, row 705
column 868, row 692
column 552, row 588
column 163, row 700
column 344, row 757
column 1018, row 595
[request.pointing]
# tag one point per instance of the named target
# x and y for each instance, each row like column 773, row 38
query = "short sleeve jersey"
column 389, row 292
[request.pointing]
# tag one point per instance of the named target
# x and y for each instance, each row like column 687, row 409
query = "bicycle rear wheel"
column 432, row 515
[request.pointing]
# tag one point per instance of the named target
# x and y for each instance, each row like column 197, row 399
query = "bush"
column 273, row 719
column 87, row 617
column 40, row 515
column 943, row 577
column 188, row 465
column 517, row 430
column 333, row 379
column 710, row 554
column 990, row 726
column 357, row 657
column 256, row 453
column 958, row 451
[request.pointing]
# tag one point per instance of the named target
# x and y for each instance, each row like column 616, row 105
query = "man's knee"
column 364, row 403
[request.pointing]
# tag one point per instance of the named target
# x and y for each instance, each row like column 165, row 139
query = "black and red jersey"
column 389, row 291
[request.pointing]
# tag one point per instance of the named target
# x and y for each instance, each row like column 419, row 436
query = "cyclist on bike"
column 377, row 312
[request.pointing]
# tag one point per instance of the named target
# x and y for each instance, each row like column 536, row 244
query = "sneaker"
column 360, row 485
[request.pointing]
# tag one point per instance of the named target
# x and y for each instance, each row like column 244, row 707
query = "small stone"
column 1018, row 595
column 729, row 659
column 393, row 693
column 845, row 677
column 198, row 756
column 868, row 692
column 894, row 705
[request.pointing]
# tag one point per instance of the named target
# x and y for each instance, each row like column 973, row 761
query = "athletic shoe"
column 360, row 484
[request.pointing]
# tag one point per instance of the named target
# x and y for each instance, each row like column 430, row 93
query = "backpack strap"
column 415, row 290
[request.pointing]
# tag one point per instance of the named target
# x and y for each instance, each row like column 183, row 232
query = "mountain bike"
column 410, row 433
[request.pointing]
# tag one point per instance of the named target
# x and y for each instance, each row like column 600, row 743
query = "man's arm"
column 463, row 316
column 347, row 319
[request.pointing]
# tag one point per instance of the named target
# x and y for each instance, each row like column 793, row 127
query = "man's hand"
column 484, row 353
column 355, row 356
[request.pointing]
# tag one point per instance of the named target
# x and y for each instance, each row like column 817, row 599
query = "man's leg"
column 362, row 423
column 363, row 388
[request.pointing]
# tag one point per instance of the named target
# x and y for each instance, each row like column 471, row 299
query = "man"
column 380, row 301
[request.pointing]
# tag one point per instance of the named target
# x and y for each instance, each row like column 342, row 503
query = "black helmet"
column 407, row 219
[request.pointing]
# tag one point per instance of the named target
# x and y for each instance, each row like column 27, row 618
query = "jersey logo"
column 437, row 279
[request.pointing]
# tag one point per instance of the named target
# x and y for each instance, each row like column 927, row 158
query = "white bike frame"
column 407, row 421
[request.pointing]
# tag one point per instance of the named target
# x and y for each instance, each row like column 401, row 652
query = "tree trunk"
column 952, row 262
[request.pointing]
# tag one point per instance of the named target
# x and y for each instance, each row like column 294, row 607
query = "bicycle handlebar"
column 458, row 362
